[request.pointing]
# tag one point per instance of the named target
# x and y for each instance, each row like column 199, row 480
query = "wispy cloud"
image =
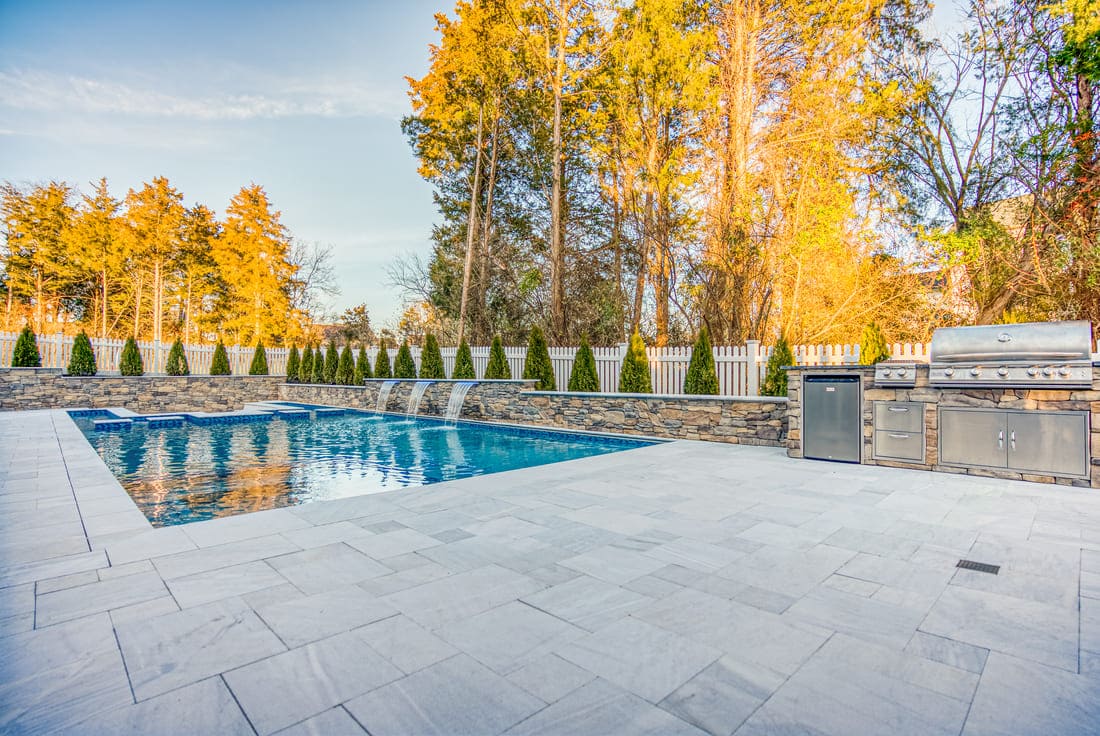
column 48, row 92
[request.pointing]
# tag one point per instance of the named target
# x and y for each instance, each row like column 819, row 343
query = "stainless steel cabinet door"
column 832, row 418
column 973, row 438
column 1048, row 443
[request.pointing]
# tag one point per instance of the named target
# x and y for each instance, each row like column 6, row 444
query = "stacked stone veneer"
column 47, row 388
column 756, row 421
column 935, row 397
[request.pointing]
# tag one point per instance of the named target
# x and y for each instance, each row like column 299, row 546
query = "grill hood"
column 1024, row 342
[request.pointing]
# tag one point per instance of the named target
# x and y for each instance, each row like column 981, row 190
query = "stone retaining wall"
column 47, row 388
column 755, row 421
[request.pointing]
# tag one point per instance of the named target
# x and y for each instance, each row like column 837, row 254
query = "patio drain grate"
column 979, row 566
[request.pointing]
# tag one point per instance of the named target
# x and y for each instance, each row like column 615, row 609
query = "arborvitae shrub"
column 293, row 365
column 583, row 377
column 403, row 365
column 318, row 373
column 26, row 350
column 537, row 364
column 332, row 362
column 259, row 361
column 82, row 361
column 177, row 360
column 701, row 376
column 872, row 346
column 219, row 364
column 305, row 365
column 130, row 363
column 382, row 362
column 362, row 367
column 431, row 360
column 634, row 377
column 464, row 363
column 345, row 369
column 775, row 378
column 498, row 368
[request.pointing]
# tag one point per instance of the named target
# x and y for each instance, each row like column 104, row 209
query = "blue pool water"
column 192, row 472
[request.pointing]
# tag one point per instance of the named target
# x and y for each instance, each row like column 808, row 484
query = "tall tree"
column 155, row 216
column 97, row 240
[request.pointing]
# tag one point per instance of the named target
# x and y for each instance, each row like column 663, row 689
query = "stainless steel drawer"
column 899, row 416
column 899, row 445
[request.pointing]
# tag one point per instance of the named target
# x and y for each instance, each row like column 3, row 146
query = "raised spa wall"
column 932, row 398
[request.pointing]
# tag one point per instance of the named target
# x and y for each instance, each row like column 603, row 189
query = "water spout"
column 458, row 396
column 384, row 394
column 415, row 395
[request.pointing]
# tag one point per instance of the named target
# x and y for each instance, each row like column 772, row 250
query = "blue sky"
column 304, row 98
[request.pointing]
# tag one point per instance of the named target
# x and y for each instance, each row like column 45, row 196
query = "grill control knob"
column 901, row 372
column 1048, row 371
column 948, row 372
column 885, row 372
column 1063, row 371
column 1033, row 371
column 1002, row 371
column 976, row 371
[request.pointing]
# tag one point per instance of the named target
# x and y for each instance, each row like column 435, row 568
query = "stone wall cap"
column 663, row 397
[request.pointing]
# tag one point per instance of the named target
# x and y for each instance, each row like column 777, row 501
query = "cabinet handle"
column 897, row 408
column 1001, row 440
column 1012, row 439
column 900, row 436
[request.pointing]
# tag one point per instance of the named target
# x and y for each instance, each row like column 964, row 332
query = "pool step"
column 112, row 425
column 160, row 422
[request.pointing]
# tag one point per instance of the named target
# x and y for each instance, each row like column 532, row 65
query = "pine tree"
column 537, row 364
column 305, row 366
column 293, row 365
column 701, row 376
column 872, row 346
column 775, row 378
column 130, row 363
column 332, row 362
column 431, row 360
column 318, row 374
column 583, row 377
column 382, row 362
column 634, row 376
column 177, row 360
column 82, row 361
column 259, row 361
column 26, row 350
column 345, row 369
column 362, row 367
column 219, row 364
column 403, row 365
column 464, row 363
column 498, row 368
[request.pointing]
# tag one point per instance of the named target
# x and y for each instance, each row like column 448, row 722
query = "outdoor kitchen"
column 1016, row 401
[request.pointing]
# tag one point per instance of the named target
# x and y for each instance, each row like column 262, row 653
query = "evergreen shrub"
column 293, row 365
column 431, row 360
column 362, row 367
column 177, row 360
column 701, row 375
column 583, row 376
column 26, row 350
column 464, row 363
column 775, row 378
column 82, row 361
column 345, row 368
column 872, row 346
column 219, row 363
column 332, row 362
column 259, row 361
column 318, row 373
column 305, row 365
column 403, row 365
column 634, row 376
column 130, row 363
column 537, row 364
column 498, row 368
column 382, row 362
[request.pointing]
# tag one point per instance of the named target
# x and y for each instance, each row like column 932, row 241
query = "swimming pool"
column 181, row 471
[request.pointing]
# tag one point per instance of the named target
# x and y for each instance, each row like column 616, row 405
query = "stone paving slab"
column 680, row 588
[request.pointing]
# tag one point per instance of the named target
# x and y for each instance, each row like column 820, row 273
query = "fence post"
column 752, row 355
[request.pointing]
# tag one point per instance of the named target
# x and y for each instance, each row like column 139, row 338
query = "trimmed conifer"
column 26, row 350
column 130, row 363
column 403, row 365
column 293, row 365
column 82, row 361
column 498, row 368
column 873, row 347
column 775, row 378
column 345, row 368
column 701, row 375
column 431, row 360
column 382, row 362
column 464, row 363
column 332, row 362
column 305, row 366
column 537, row 364
column 177, row 360
column 583, row 377
column 259, row 361
column 634, row 376
column 362, row 367
column 318, row 374
column 219, row 364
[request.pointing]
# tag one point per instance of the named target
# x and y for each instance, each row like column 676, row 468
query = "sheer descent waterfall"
column 384, row 394
column 458, row 395
column 414, row 397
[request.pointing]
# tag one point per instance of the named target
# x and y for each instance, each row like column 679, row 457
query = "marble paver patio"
column 684, row 588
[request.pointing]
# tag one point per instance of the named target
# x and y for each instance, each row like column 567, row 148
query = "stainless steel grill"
column 1039, row 354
